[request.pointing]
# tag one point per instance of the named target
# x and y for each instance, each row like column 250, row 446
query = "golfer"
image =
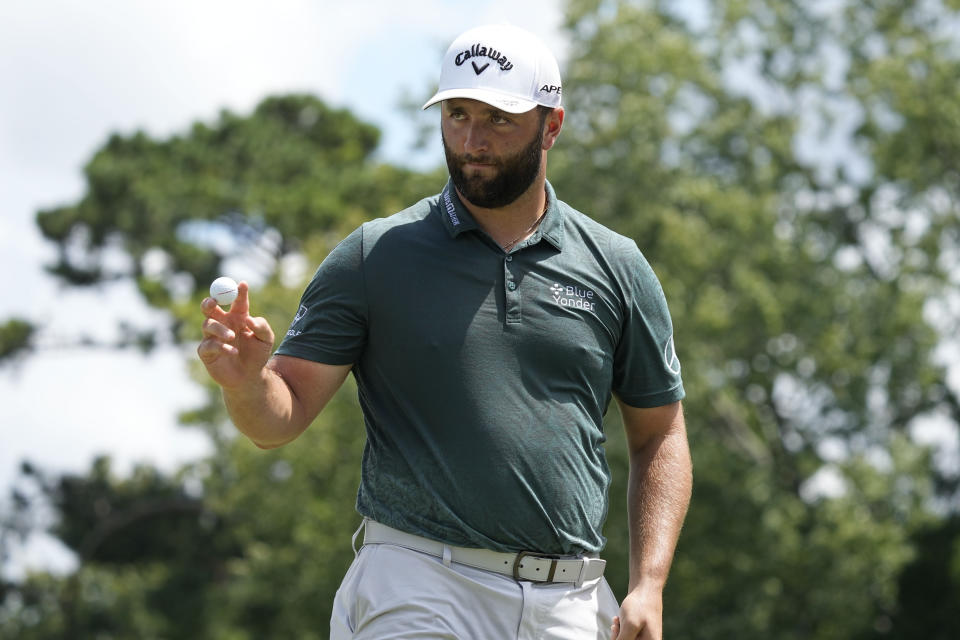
column 488, row 328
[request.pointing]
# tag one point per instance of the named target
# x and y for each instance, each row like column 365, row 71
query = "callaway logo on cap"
column 502, row 65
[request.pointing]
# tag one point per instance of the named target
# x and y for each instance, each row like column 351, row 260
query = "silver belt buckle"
column 540, row 556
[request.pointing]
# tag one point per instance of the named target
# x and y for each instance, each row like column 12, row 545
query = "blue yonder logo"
column 573, row 296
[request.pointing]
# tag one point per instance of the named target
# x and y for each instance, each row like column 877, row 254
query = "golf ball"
column 223, row 290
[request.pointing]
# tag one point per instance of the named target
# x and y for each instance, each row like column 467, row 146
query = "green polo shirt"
column 484, row 376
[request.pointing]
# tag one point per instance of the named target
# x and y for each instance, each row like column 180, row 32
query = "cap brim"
column 510, row 104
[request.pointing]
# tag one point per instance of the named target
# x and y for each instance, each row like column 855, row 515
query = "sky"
column 75, row 72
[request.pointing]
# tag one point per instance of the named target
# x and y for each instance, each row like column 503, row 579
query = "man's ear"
column 551, row 127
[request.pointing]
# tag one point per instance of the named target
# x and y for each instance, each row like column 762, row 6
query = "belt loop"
column 447, row 555
column 356, row 534
column 584, row 564
column 553, row 570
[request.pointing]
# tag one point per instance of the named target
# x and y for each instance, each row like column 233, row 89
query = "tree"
column 143, row 545
column 282, row 183
column 798, row 285
column 15, row 335
column 245, row 545
column 929, row 585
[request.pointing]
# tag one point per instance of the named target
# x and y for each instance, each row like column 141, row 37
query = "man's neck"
column 512, row 224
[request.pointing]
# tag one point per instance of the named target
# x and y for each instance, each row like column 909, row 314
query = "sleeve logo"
column 670, row 358
column 302, row 311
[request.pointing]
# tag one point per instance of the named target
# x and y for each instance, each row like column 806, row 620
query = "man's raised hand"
column 235, row 346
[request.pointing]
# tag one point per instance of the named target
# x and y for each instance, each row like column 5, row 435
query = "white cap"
column 502, row 65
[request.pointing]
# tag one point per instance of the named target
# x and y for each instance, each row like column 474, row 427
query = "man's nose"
column 476, row 139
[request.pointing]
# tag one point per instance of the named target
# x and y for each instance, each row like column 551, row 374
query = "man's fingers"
column 629, row 630
column 615, row 628
column 238, row 310
column 261, row 329
column 210, row 349
column 211, row 309
column 241, row 306
column 217, row 330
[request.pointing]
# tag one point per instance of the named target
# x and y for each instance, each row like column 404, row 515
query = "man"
column 487, row 328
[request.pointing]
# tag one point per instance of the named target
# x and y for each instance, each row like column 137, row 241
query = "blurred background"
column 789, row 169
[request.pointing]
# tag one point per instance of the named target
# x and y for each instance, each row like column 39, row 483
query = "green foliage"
column 929, row 586
column 147, row 551
column 799, row 288
column 245, row 545
column 257, row 187
column 15, row 335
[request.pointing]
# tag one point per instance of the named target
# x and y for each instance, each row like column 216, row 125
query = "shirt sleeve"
column 646, row 370
column 331, row 323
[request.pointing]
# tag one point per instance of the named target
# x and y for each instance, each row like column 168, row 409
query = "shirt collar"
column 552, row 226
column 455, row 216
column 457, row 219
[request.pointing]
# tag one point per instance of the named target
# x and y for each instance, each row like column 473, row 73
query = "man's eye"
column 499, row 120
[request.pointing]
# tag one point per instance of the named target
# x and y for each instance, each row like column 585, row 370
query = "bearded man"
column 488, row 328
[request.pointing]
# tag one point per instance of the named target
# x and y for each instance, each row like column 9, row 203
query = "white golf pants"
column 393, row 593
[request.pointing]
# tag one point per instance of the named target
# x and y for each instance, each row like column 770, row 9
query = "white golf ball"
column 223, row 290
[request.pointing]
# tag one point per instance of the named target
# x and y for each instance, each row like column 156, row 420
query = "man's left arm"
column 658, row 494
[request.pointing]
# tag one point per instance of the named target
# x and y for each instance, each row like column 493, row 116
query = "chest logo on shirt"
column 573, row 296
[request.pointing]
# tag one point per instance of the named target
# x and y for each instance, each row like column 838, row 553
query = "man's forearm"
column 265, row 410
column 658, row 495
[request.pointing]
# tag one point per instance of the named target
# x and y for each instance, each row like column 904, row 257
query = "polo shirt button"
column 509, row 258
column 511, row 285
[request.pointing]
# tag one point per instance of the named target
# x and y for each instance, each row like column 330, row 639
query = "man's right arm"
column 281, row 404
column 270, row 400
column 293, row 394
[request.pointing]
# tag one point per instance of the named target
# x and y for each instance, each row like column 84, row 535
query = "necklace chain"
column 529, row 230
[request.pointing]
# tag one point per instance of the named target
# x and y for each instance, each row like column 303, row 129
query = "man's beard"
column 514, row 174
